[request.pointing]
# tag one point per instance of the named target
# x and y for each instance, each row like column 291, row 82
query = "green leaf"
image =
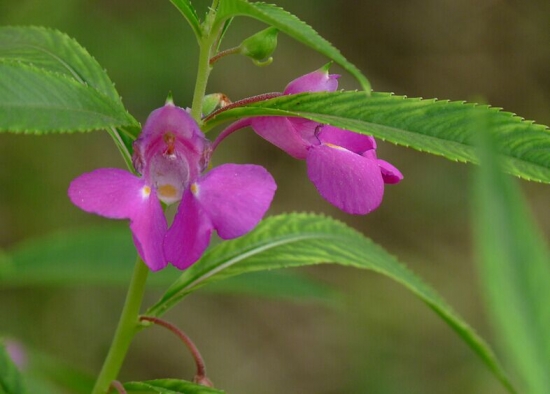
column 514, row 263
column 294, row 240
column 11, row 381
column 54, row 51
column 33, row 100
column 106, row 256
column 169, row 386
column 190, row 14
column 440, row 127
column 291, row 25
column 278, row 285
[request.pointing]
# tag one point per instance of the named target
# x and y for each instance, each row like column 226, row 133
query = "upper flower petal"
column 117, row 194
column 347, row 180
column 235, row 197
column 171, row 132
column 316, row 81
column 189, row 234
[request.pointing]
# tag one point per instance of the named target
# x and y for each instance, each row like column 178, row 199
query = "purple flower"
column 341, row 164
column 170, row 156
column 17, row 353
column 345, row 170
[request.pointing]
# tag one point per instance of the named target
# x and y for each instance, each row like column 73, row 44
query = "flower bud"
column 260, row 46
column 213, row 102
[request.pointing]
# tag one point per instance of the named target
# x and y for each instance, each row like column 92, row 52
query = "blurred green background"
column 382, row 339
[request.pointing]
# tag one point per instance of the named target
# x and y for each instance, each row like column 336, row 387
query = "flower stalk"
column 128, row 325
column 200, row 376
column 207, row 45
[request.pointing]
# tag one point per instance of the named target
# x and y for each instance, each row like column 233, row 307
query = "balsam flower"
column 341, row 164
column 170, row 156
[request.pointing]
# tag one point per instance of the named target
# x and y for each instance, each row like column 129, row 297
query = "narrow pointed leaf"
column 190, row 14
column 294, row 240
column 33, row 100
column 514, row 263
column 292, row 26
column 52, row 50
column 105, row 257
column 11, row 381
column 443, row 128
column 169, row 386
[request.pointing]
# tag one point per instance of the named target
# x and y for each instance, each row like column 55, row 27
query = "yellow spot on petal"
column 334, row 146
column 194, row 188
column 145, row 191
column 167, row 191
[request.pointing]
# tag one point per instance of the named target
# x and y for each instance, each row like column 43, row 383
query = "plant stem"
column 206, row 45
column 227, row 52
column 128, row 325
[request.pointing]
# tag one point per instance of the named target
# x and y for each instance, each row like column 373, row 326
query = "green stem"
column 203, row 70
column 128, row 325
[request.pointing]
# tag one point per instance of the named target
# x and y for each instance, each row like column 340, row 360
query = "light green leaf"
column 291, row 25
column 514, row 263
column 169, row 386
column 294, row 240
column 190, row 14
column 106, row 256
column 440, row 127
column 33, row 100
column 11, row 381
column 52, row 50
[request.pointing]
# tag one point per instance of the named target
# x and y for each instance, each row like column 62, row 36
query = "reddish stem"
column 219, row 55
column 243, row 102
column 200, row 376
column 230, row 130
column 115, row 384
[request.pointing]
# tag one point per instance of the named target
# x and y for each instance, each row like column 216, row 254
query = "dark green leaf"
column 440, row 127
column 515, row 270
column 106, row 256
column 291, row 25
column 11, row 381
column 298, row 239
column 169, row 386
column 190, row 14
column 33, row 100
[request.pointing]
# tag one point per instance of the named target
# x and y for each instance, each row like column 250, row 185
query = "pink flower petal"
column 316, row 81
column 171, row 132
column 390, row 174
column 355, row 142
column 347, row 180
column 109, row 192
column 189, row 235
column 235, row 197
column 117, row 194
column 283, row 133
column 149, row 228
